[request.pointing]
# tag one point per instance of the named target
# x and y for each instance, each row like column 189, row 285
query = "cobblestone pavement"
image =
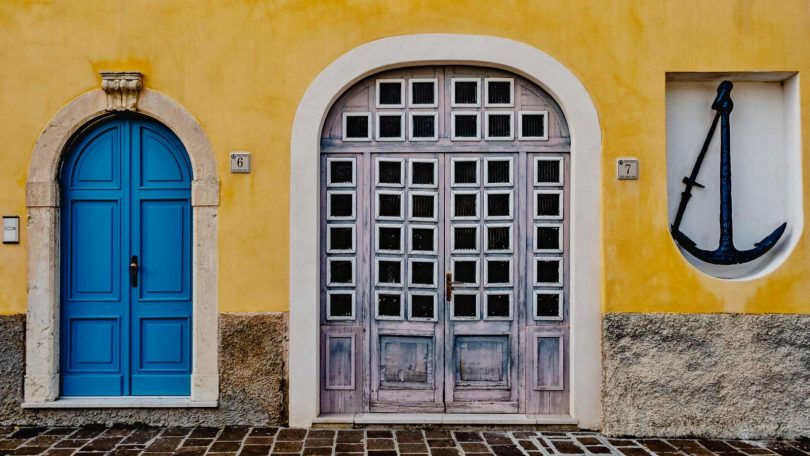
column 60, row 441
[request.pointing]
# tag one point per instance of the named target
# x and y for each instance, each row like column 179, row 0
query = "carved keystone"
column 122, row 89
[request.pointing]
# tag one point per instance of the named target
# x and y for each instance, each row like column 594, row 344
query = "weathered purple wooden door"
column 443, row 242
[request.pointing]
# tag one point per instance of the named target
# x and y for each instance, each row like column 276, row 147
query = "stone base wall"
column 709, row 375
column 252, row 370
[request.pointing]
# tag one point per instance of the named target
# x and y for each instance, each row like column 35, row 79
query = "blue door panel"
column 95, row 246
column 126, row 192
column 98, row 160
column 165, row 250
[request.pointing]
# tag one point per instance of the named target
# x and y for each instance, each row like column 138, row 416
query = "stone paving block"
column 528, row 445
column 409, row 436
column 250, row 440
column 69, row 443
column 598, row 449
column 622, row 442
column 189, row 442
column 318, row 451
column 263, row 432
column 291, row 434
column 474, row 447
column 379, row 434
column 657, row 446
column 233, row 433
column 204, row 432
column 27, row 432
column 438, row 435
column 382, row 453
column 444, row 452
column 105, row 444
column 349, row 447
column 65, row 452
column 784, row 449
column 288, row 446
column 350, row 436
column 255, row 450
column 468, row 436
column 412, row 448
column 506, row 450
column 380, row 444
column 441, row 443
column 321, row 434
column 190, row 451
column 309, row 442
column 634, row 451
column 30, row 450
column 63, row 431
column 497, row 438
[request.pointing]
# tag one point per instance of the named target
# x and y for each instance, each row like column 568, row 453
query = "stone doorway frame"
column 586, row 166
column 119, row 92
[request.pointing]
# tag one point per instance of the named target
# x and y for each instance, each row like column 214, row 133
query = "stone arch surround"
column 41, row 389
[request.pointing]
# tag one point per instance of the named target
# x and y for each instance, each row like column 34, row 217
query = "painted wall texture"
column 241, row 68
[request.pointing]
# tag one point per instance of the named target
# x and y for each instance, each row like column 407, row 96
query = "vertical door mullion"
column 128, row 228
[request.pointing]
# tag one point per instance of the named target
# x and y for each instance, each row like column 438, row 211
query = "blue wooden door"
column 126, row 262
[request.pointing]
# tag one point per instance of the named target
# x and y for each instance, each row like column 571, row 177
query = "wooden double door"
column 443, row 283
column 444, row 328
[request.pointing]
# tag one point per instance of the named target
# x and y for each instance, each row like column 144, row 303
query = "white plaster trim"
column 42, row 200
column 120, row 402
column 446, row 418
column 437, row 49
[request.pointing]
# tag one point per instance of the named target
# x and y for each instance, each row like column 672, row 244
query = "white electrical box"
column 240, row 162
column 11, row 229
column 627, row 168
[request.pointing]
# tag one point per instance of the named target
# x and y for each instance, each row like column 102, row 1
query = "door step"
column 454, row 420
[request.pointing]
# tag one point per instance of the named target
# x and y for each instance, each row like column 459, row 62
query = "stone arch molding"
column 119, row 92
column 438, row 49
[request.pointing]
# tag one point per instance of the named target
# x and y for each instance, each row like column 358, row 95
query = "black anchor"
column 725, row 253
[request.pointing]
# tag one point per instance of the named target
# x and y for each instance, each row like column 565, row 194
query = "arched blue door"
column 126, row 262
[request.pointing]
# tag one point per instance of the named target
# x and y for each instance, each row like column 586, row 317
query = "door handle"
column 448, row 286
column 133, row 271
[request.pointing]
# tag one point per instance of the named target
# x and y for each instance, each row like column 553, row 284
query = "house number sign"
column 240, row 162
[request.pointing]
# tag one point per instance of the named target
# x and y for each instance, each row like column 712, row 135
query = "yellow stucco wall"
column 241, row 68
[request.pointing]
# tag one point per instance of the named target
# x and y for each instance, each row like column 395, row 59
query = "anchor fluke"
column 725, row 253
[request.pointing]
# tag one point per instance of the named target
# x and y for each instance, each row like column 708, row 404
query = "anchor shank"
column 692, row 179
column 726, row 224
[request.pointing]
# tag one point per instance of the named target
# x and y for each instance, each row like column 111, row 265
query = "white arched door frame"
column 438, row 49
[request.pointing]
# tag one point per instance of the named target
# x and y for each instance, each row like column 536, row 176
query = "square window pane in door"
column 499, row 238
column 340, row 205
column 389, row 205
column 423, row 92
column 499, row 272
column 499, row 92
column 389, row 93
column 499, row 205
column 389, row 305
column 465, row 172
column 389, row 272
column 423, row 306
column 389, row 127
column 341, row 172
column 547, row 271
column 423, row 173
column 547, row 305
column 465, row 238
column 533, row 125
column 423, row 240
column 499, row 172
column 548, row 171
column 423, row 127
column 499, row 126
column 465, row 205
column 548, row 204
column 340, row 306
column 465, row 305
column 389, row 172
column 499, row 305
column 423, row 273
column 423, row 206
column 341, row 272
column 465, row 272
column 465, row 92
column 547, row 238
column 465, row 126
column 389, row 238
column 340, row 238
column 357, row 126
